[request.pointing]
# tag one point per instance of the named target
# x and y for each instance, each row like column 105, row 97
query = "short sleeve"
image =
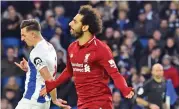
column 38, row 61
column 143, row 91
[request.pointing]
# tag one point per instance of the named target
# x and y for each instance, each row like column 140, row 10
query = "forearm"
column 53, row 94
column 142, row 102
column 121, row 83
column 63, row 77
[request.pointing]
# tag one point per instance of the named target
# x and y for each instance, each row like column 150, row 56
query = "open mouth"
column 71, row 30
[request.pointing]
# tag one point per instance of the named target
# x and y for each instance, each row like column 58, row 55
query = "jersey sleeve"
column 143, row 91
column 105, row 59
column 38, row 60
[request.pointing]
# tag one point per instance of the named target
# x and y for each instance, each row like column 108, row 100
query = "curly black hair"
column 92, row 18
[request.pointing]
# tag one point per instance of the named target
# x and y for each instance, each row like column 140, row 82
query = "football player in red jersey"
column 91, row 63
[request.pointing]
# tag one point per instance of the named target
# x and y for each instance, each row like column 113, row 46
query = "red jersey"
column 92, row 65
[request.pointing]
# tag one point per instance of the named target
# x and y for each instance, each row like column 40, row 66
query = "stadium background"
column 139, row 34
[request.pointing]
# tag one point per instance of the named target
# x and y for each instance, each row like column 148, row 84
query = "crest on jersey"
column 37, row 61
column 71, row 55
column 86, row 57
column 112, row 63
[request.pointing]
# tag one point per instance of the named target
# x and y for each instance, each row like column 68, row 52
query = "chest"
column 158, row 88
column 82, row 55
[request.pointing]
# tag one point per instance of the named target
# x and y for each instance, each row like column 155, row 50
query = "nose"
column 70, row 23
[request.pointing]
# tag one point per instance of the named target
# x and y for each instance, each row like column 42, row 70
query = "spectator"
column 152, row 58
column 140, row 25
column 37, row 11
column 95, row 3
column 60, row 61
column 48, row 14
column 56, row 41
column 48, row 30
column 173, row 22
column 122, row 21
column 116, row 42
column 60, row 18
column 145, row 71
column 172, row 9
column 8, row 66
column 157, row 36
column 170, row 72
column 12, row 96
column 125, row 59
column 11, row 23
column 5, row 104
column 133, row 44
column 171, row 48
column 108, row 36
column 26, row 51
column 150, row 45
column 152, row 20
column 137, row 81
column 164, row 28
column 118, row 103
column 11, row 84
column 123, row 5
column 106, row 12
column 29, row 16
column 125, row 72
column 133, row 71
column 9, row 10
column 176, row 38
column 150, row 14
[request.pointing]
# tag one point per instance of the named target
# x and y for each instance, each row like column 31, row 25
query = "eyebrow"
column 75, row 20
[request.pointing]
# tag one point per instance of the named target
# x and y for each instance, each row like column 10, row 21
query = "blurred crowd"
column 139, row 34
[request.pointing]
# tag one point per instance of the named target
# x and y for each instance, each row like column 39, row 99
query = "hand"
column 23, row 65
column 153, row 106
column 43, row 92
column 131, row 94
column 61, row 103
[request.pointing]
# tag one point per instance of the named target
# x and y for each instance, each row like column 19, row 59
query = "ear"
column 33, row 34
column 85, row 28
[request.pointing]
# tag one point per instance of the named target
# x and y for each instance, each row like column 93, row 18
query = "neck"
column 38, row 39
column 85, row 38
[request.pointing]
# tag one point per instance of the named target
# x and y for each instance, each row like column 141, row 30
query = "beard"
column 76, row 34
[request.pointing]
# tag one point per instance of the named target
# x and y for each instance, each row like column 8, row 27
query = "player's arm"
column 41, row 66
column 46, row 76
column 105, row 59
column 141, row 93
column 63, row 77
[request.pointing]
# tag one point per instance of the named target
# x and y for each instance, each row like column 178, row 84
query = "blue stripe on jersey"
column 32, row 81
column 41, row 99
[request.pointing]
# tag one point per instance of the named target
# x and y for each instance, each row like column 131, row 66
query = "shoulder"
column 101, row 46
column 148, row 82
column 72, row 45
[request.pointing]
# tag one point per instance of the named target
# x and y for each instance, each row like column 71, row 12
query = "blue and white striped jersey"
column 43, row 54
